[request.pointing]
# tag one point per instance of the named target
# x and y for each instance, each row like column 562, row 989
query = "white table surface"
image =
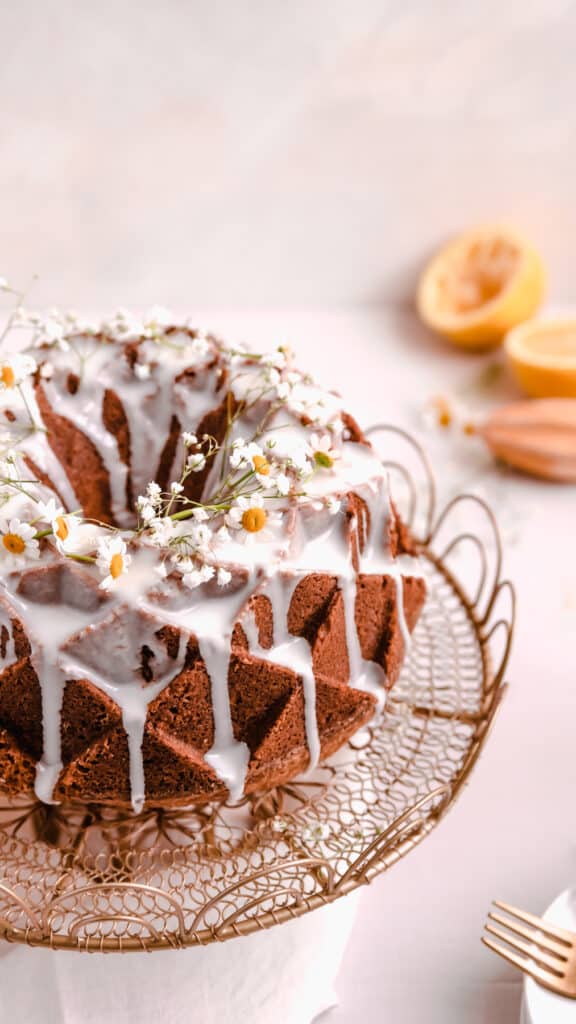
column 415, row 955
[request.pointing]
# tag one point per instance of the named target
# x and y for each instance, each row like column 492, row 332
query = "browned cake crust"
column 266, row 703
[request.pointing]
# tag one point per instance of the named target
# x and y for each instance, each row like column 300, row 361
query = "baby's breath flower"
column 200, row 515
column 333, row 504
column 9, row 467
column 46, row 371
column 282, row 484
column 189, row 439
column 176, row 487
column 196, row 463
column 199, row 537
column 196, row 576
column 142, row 371
column 278, row 824
column 156, row 319
column 315, row 832
column 146, row 510
column 4, row 286
column 154, row 492
column 276, row 359
column 52, row 330
column 162, row 531
column 283, row 390
column 299, row 461
column 112, row 560
column 223, row 576
column 200, row 346
column 18, row 542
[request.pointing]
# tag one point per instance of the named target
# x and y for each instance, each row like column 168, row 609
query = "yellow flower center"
column 62, row 528
column 8, row 376
column 254, row 519
column 261, row 465
column 14, row 543
column 324, row 460
column 116, row 566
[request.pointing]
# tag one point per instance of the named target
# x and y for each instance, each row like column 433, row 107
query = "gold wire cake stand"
column 96, row 879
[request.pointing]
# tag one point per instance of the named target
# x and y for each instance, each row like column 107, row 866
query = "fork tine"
column 549, row 945
column 526, row 966
column 547, row 962
column 552, row 931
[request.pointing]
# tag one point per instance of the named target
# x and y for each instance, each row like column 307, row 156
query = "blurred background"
column 272, row 154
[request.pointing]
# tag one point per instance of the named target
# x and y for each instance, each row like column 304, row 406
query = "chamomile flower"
column 112, row 560
column 322, row 452
column 244, row 455
column 15, row 370
column 64, row 525
column 17, row 542
column 247, row 514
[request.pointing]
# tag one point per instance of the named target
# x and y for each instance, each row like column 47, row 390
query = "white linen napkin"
column 285, row 974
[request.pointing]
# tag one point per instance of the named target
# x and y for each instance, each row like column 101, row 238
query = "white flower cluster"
column 269, row 474
column 52, row 329
column 152, row 325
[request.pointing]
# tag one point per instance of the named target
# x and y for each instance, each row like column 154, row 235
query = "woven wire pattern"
column 98, row 879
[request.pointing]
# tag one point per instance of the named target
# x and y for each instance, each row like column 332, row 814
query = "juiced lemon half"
column 542, row 355
column 480, row 285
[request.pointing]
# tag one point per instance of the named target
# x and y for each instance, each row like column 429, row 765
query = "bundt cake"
column 205, row 587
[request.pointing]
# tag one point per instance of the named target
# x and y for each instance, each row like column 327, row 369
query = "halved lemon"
column 480, row 285
column 542, row 355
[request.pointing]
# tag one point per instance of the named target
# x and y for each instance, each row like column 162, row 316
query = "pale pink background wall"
column 267, row 152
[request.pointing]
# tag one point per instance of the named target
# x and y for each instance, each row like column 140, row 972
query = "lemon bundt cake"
column 205, row 587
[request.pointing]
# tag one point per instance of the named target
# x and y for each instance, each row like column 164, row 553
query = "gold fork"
column 548, row 952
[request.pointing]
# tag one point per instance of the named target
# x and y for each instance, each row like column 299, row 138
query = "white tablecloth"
column 281, row 976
